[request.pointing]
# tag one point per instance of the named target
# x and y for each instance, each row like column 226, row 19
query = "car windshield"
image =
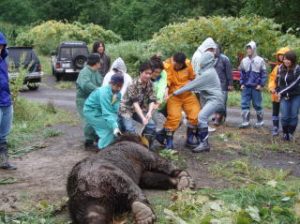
column 70, row 52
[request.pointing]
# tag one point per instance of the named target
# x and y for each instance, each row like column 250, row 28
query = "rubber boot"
column 169, row 140
column 292, row 129
column 161, row 136
column 260, row 119
column 204, row 145
column 275, row 129
column 286, row 135
column 191, row 137
column 149, row 134
column 246, row 119
column 4, row 163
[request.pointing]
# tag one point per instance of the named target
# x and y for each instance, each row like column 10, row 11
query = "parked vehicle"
column 69, row 59
column 28, row 59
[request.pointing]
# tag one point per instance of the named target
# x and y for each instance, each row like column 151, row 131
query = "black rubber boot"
column 149, row 134
column 4, row 163
column 286, row 134
column 275, row 129
column 204, row 145
column 169, row 140
column 191, row 137
column 161, row 136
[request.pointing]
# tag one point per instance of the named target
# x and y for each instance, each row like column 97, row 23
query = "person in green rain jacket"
column 101, row 110
column 88, row 80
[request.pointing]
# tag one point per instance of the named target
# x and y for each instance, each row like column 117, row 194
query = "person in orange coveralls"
column 179, row 73
column 272, row 88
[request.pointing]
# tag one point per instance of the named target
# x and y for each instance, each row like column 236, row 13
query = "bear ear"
column 144, row 141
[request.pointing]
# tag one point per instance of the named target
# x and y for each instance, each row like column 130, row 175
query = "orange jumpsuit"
column 273, row 75
column 186, row 101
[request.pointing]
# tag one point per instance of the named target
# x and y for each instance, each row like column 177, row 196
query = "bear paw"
column 142, row 213
column 185, row 181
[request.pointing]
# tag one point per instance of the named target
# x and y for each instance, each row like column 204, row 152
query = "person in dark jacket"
column 6, row 109
column 253, row 78
column 289, row 94
column 99, row 47
column 223, row 68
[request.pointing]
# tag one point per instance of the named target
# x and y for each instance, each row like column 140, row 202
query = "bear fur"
column 106, row 185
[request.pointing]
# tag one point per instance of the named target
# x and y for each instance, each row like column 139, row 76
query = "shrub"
column 232, row 33
column 11, row 31
column 46, row 36
column 132, row 52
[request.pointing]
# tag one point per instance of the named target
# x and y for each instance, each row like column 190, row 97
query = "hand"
column 273, row 91
column 279, row 96
column 242, row 86
column 117, row 132
column 230, row 88
column 258, row 87
column 148, row 116
column 145, row 121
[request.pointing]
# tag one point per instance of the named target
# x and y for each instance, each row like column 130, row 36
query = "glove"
column 117, row 132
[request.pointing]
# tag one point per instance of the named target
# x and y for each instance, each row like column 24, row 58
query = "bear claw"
column 142, row 213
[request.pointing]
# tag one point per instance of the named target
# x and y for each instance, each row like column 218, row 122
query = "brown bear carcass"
column 108, row 184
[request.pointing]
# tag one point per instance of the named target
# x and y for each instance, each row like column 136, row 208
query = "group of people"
column 199, row 88
column 109, row 100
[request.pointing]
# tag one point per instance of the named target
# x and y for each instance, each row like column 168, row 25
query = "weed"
column 241, row 172
column 8, row 180
column 50, row 133
column 29, row 119
column 46, row 64
column 65, row 85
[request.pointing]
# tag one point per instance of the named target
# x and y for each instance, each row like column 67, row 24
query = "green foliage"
column 251, row 204
column 11, row 31
column 29, row 119
column 234, row 99
column 47, row 36
column 232, row 34
column 132, row 52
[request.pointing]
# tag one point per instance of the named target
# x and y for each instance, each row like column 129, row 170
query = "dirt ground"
column 42, row 174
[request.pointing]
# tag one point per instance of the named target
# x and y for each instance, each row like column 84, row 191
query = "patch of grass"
column 241, row 172
column 50, row 133
column 65, row 85
column 252, row 204
column 46, row 64
column 234, row 99
column 8, row 180
column 40, row 213
column 174, row 156
column 30, row 119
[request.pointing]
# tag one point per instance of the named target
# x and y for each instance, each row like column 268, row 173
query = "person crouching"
column 101, row 110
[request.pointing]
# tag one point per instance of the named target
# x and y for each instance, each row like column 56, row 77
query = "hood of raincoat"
column 207, row 60
column 4, row 50
column 252, row 44
column 206, row 44
column 119, row 65
column 282, row 51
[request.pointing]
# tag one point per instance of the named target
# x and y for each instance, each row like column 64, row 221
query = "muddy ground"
column 42, row 174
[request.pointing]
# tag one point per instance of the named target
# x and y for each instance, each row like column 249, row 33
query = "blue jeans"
column 126, row 124
column 289, row 111
column 6, row 116
column 251, row 94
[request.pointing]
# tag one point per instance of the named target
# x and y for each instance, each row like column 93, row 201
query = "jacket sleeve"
column 272, row 79
column 293, row 85
column 109, row 110
column 263, row 74
column 162, row 85
column 192, row 85
column 243, row 73
column 85, row 83
column 191, row 72
column 228, row 71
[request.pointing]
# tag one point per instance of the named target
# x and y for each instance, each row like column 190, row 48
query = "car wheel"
column 33, row 86
column 79, row 61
